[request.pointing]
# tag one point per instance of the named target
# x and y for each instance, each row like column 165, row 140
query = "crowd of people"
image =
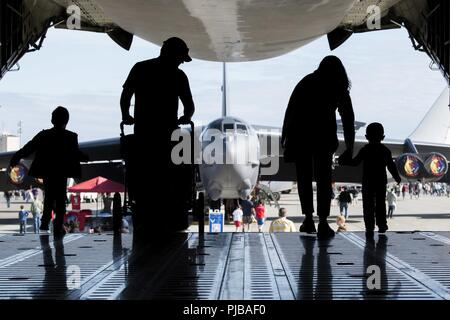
column 247, row 213
column 31, row 208
column 36, row 210
column 26, row 195
column 416, row 189
column 348, row 195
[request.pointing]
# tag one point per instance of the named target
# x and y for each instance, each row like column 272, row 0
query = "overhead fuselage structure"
column 226, row 31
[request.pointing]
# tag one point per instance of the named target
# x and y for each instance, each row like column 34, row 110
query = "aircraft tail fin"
column 435, row 126
column 409, row 147
column 225, row 96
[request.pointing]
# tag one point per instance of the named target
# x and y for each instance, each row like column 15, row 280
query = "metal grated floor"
column 48, row 271
column 238, row 266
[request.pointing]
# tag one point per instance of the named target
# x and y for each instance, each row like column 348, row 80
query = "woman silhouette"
column 309, row 136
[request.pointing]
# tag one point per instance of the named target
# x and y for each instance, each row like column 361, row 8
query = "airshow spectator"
column 260, row 212
column 344, row 200
column 36, row 210
column 237, row 218
column 392, row 203
column 282, row 224
column 248, row 211
column 23, row 215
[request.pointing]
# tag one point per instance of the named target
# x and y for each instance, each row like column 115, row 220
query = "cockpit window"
column 241, row 128
column 217, row 124
column 228, row 127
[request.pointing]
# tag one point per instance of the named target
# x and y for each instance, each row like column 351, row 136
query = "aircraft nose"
column 236, row 150
column 229, row 148
column 246, row 189
column 215, row 190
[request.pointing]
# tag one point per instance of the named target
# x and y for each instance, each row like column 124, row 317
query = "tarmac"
column 428, row 213
column 412, row 261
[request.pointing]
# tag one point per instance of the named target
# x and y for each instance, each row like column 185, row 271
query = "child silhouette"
column 375, row 158
column 57, row 157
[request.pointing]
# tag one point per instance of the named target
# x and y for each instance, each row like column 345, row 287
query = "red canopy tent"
column 98, row 185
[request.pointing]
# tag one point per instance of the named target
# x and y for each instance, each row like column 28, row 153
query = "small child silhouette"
column 57, row 157
column 375, row 158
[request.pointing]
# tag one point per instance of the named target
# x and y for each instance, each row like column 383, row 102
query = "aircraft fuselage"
column 230, row 158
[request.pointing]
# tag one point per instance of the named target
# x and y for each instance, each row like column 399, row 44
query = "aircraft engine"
column 18, row 176
column 410, row 166
column 436, row 166
column 425, row 167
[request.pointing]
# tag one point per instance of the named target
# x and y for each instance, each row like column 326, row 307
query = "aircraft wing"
column 102, row 150
column 98, row 150
column 104, row 158
column 443, row 149
column 273, row 153
column 5, row 157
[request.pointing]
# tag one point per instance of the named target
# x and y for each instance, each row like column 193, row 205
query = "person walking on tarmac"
column 309, row 136
column 157, row 85
column 57, row 157
column 344, row 201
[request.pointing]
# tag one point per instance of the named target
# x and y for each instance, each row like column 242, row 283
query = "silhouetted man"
column 157, row 85
column 309, row 136
column 57, row 157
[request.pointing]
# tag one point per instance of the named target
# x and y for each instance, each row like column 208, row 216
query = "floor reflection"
column 164, row 269
column 375, row 283
column 55, row 278
column 315, row 278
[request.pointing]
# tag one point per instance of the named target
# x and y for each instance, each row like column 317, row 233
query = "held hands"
column 128, row 120
column 184, row 120
column 345, row 158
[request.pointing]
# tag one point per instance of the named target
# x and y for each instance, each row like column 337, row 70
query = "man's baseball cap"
column 177, row 46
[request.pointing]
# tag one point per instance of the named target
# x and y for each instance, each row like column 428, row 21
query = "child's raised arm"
column 392, row 168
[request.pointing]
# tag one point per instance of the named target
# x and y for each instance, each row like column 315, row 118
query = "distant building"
column 9, row 143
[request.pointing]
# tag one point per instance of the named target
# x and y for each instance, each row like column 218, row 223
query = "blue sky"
column 84, row 71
